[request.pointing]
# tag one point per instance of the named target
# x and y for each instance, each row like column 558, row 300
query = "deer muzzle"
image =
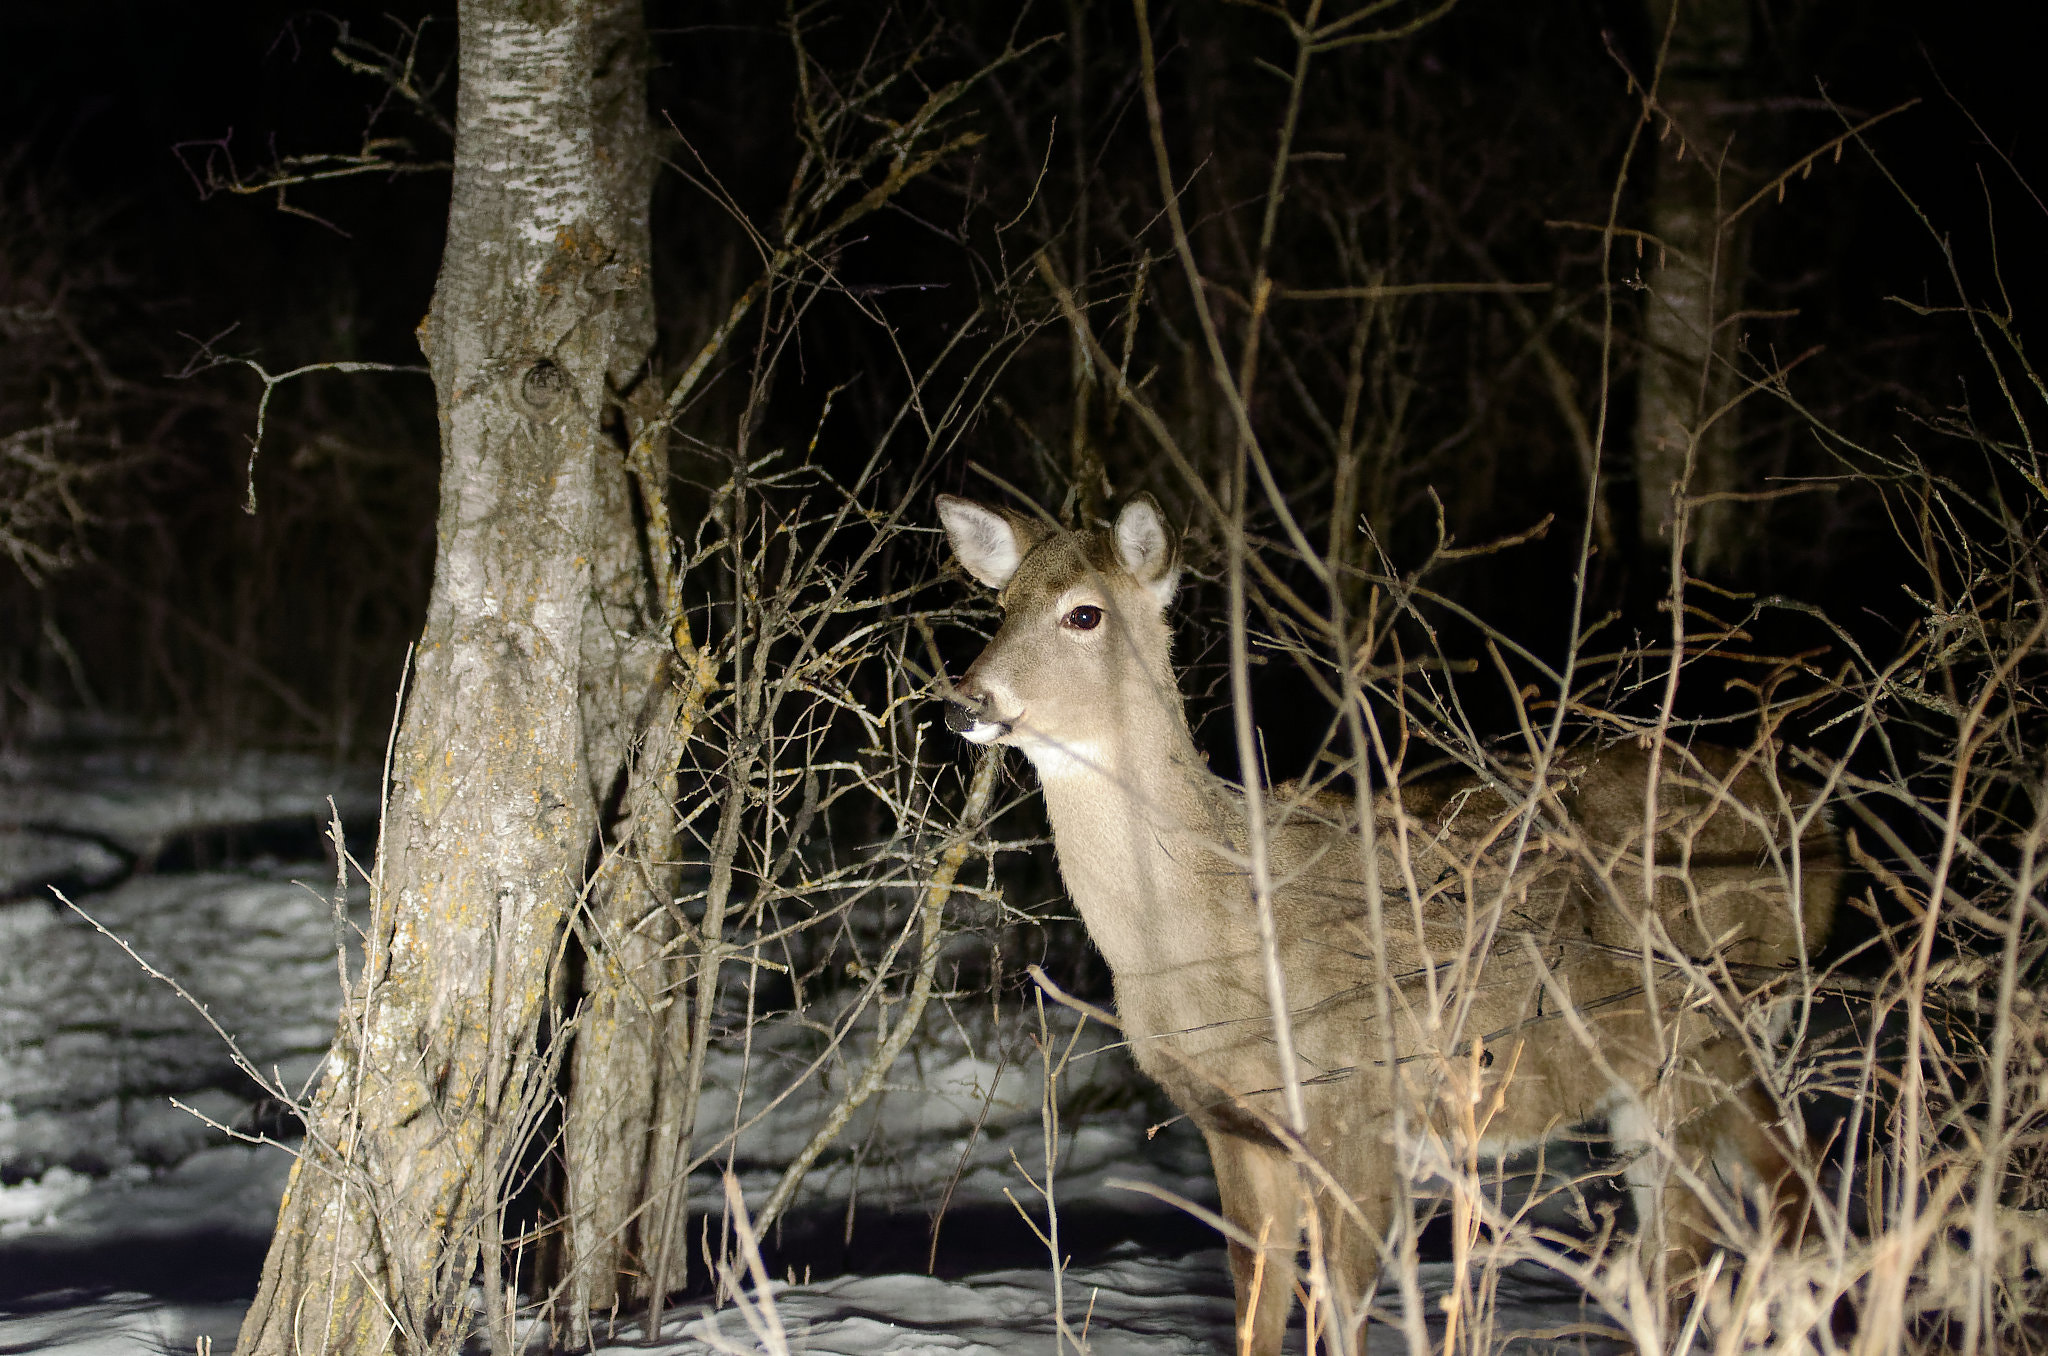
column 966, row 718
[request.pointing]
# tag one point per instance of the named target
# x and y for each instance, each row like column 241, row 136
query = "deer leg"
column 1721, row 1125
column 1663, row 1226
column 1352, row 1232
column 1261, row 1195
column 1742, row 1147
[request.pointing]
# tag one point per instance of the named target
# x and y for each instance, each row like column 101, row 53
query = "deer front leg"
column 1261, row 1195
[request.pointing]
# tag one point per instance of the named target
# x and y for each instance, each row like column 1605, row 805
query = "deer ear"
column 991, row 544
column 1147, row 549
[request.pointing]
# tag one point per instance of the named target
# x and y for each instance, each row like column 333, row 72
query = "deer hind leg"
column 1352, row 1233
column 1261, row 1195
column 1723, row 1129
column 1630, row 1124
column 1749, row 1153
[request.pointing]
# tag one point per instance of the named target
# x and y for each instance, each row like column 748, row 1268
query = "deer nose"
column 970, row 711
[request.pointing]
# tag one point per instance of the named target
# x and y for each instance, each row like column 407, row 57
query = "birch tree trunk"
column 436, row 1080
column 1683, row 446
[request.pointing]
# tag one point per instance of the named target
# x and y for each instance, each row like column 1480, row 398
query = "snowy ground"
column 127, row 1225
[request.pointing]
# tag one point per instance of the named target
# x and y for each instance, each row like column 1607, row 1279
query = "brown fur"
column 1152, row 849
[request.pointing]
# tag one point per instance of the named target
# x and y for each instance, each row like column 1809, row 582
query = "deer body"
column 1477, row 940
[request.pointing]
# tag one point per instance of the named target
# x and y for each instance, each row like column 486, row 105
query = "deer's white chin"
column 984, row 732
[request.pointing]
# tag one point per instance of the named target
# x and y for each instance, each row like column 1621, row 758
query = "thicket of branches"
column 1284, row 269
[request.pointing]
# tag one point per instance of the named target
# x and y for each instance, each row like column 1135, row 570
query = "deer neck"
column 1135, row 823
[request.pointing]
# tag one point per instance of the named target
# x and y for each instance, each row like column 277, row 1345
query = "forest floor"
column 127, row 1224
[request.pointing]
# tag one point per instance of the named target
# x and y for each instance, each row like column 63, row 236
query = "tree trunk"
column 1695, row 283
column 633, row 1006
column 436, row 1079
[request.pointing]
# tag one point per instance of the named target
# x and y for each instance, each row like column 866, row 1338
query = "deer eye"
column 1086, row 617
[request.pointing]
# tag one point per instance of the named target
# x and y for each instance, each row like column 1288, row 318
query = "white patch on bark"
column 534, row 130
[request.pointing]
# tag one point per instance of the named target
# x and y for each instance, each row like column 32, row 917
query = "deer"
column 1532, row 975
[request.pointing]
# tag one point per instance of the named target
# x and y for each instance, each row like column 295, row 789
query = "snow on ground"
column 139, row 1261
column 180, row 857
column 92, row 1047
column 128, row 1225
column 125, row 800
column 1128, row 1305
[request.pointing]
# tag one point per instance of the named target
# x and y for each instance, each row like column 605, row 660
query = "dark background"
column 176, row 613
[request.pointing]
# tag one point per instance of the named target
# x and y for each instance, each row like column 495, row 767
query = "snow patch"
column 34, row 1203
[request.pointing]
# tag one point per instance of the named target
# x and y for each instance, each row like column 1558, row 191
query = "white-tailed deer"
column 1540, row 945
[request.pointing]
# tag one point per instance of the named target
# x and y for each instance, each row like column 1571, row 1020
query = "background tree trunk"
column 1695, row 284
column 436, row 1078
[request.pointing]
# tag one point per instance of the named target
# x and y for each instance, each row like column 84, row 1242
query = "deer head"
column 1079, row 675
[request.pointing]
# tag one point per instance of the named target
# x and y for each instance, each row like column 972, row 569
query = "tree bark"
column 1683, row 447
column 436, row 1078
column 630, row 988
